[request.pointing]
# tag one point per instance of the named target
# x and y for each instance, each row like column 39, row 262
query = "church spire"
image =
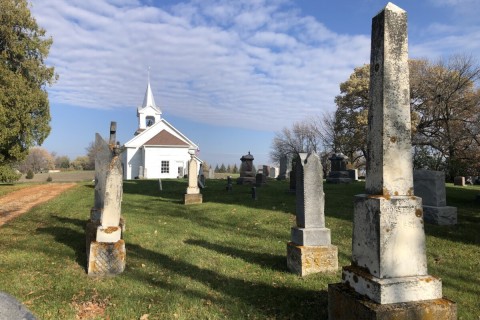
column 148, row 113
column 148, row 100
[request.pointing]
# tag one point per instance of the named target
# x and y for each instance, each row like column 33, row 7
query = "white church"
column 158, row 149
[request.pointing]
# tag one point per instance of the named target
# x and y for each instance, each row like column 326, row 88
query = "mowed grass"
column 223, row 259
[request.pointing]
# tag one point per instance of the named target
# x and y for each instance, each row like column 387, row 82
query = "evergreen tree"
column 223, row 169
column 24, row 106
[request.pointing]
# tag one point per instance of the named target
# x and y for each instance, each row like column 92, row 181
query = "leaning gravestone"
column 310, row 249
column 430, row 186
column 192, row 195
column 12, row 309
column 105, row 248
column 247, row 170
column 388, row 277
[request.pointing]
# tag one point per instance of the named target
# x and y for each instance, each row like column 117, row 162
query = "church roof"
column 165, row 138
column 148, row 100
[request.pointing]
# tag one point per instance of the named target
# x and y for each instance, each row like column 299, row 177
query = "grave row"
column 388, row 276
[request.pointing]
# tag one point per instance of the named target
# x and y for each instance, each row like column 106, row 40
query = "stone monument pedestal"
column 106, row 258
column 193, row 198
column 349, row 304
column 305, row 260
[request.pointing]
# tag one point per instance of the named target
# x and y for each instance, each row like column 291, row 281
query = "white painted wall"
column 155, row 155
column 151, row 159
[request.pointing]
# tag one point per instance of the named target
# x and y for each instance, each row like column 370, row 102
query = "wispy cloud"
column 249, row 63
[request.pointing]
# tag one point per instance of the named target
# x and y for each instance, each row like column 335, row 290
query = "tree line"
column 445, row 118
column 226, row 169
column 39, row 160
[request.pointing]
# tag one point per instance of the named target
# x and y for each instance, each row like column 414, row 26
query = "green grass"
column 10, row 187
column 223, row 259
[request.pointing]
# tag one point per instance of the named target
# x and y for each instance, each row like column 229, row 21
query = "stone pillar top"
column 389, row 160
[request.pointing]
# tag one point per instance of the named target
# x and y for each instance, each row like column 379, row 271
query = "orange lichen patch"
column 386, row 194
column 429, row 279
column 410, row 192
column 110, row 229
column 419, row 212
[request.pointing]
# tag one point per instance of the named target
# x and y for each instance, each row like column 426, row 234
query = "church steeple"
column 148, row 113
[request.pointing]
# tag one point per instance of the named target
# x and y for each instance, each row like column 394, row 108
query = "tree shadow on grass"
column 273, row 301
column 273, row 194
column 265, row 260
column 71, row 238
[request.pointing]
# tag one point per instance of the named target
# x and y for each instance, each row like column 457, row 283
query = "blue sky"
column 226, row 73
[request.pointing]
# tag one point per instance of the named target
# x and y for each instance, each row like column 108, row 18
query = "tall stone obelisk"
column 192, row 195
column 389, row 264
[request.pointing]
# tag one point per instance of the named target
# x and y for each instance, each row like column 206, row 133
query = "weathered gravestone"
column 192, row 195
column 259, row 179
column 247, row 170
column 105, row 248
column 229, row 184
column 310, row 249
column 388, row 277
column 430, row 186
column 459, row 181
column 353, row 174
column 338, row 172
column 273, row 172
column 12, row 309
column 282, row 174
column 266, row 172
column 201, row 178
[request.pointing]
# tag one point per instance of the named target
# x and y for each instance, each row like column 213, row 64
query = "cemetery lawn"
column 223, row 259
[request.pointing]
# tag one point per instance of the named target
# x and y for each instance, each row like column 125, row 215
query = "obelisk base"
column 106, row 259
column 193, row 198
column 305, row 260
column 345, row 304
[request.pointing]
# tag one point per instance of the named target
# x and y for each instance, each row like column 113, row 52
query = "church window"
column 165, row 168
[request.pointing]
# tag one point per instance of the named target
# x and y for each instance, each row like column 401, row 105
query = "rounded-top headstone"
column 12, row 309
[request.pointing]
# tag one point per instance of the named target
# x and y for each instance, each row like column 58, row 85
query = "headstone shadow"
column 270, row 261
column 71, row 238
column 274, row 301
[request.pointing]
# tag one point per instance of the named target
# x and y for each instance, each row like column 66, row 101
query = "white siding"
column 155, row 155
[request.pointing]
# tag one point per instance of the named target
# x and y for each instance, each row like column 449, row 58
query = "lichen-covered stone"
column 193, row 198
column 305, row 260
column 346, row 304
column 106, row 259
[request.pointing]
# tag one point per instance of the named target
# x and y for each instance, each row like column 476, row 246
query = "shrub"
column 29, row 174
column 49, row 179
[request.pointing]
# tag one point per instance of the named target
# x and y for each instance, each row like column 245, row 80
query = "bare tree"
column 38, row 159
column 308, row 135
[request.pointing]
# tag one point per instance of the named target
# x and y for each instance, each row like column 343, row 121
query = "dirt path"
column 18, row 202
